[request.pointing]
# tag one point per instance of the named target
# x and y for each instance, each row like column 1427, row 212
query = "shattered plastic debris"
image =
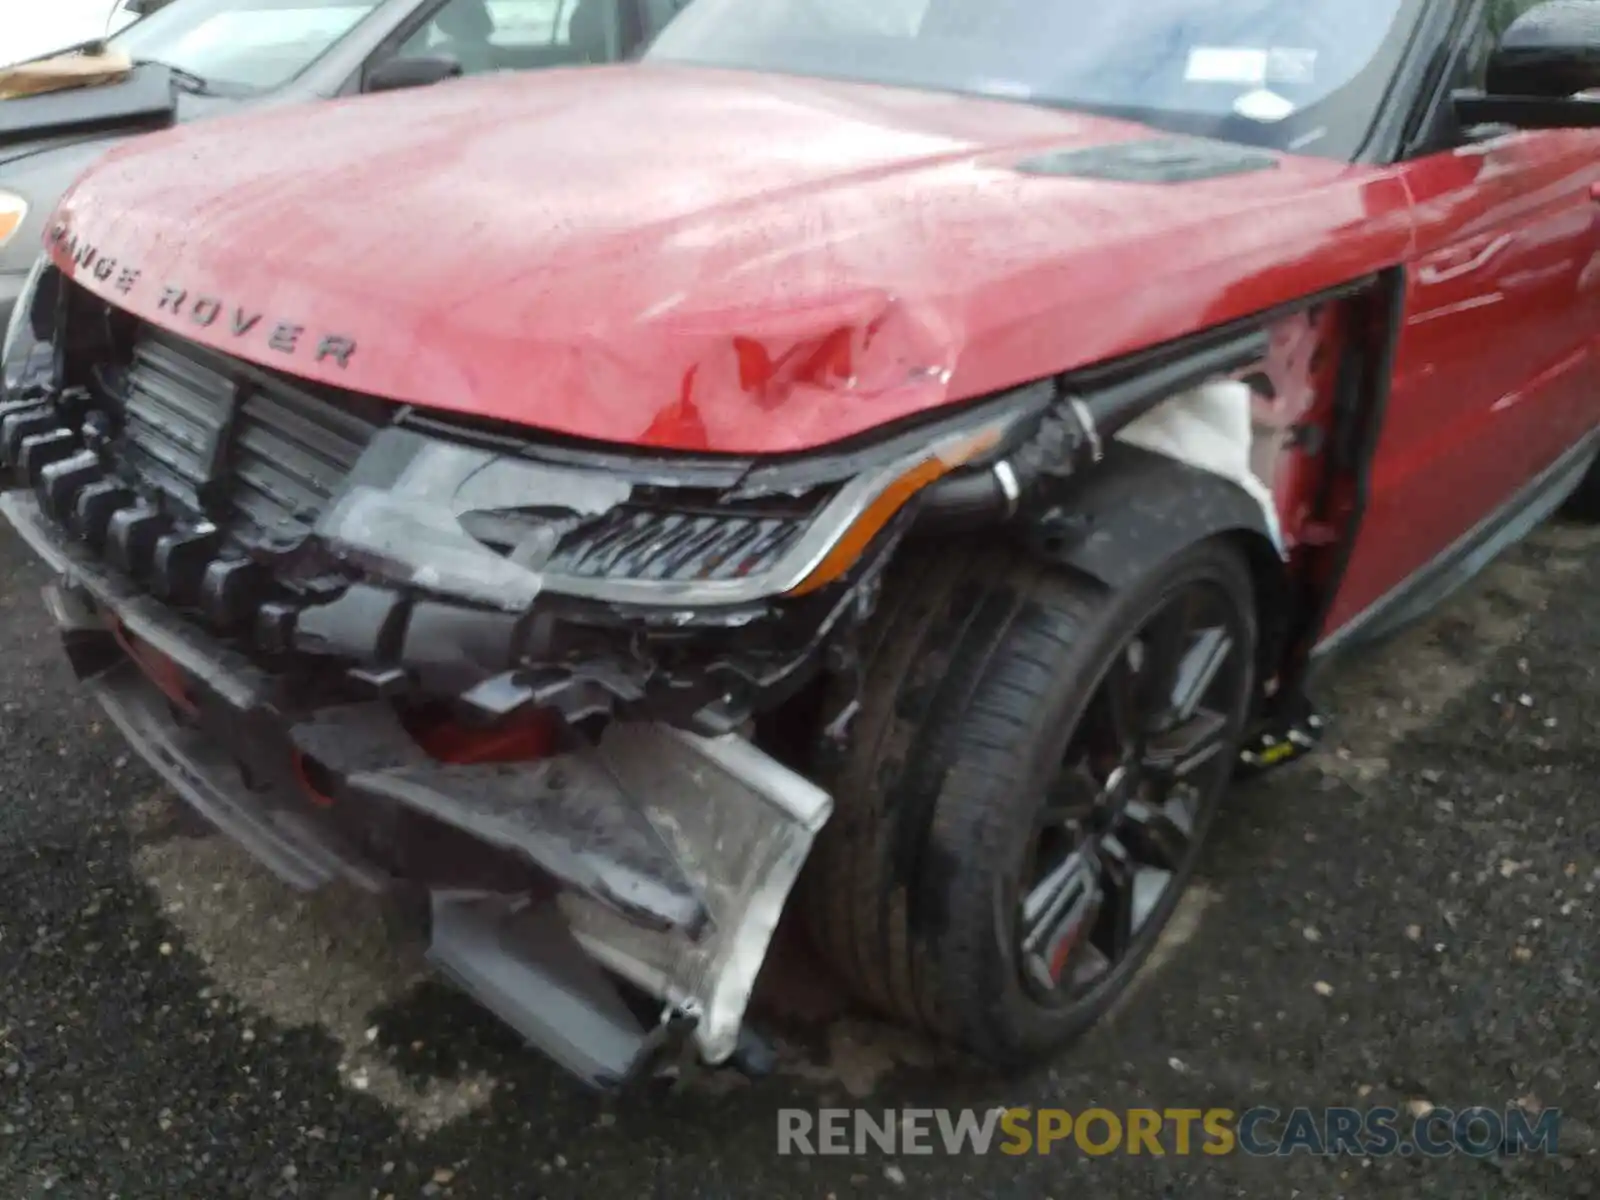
column 741, row 826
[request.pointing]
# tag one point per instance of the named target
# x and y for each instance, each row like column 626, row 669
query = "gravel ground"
column 1404, row 917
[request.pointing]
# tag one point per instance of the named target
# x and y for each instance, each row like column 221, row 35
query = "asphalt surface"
column 1409, row 917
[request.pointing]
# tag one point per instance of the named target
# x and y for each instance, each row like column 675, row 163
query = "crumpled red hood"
column 689, row 259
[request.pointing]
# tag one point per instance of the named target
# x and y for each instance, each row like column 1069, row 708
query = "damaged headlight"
column 408, row 509
column 500, row 529
column 26, row 357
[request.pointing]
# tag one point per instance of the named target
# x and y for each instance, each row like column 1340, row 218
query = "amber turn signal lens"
column 12, row 210
column 895, row 496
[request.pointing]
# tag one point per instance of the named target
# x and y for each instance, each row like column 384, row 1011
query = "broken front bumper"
column 656, row 857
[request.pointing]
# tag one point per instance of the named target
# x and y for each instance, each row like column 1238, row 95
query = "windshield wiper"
column 196, row 85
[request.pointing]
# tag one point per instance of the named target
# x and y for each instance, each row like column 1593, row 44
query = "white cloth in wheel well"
column 1209, row 428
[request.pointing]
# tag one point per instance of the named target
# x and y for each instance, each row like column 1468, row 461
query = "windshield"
column 242, row 45
column 1303, row 75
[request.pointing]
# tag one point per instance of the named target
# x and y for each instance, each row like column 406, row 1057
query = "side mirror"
column 399, row 73
column 1547, row 56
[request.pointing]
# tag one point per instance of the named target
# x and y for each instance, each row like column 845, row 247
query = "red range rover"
column 893, row 462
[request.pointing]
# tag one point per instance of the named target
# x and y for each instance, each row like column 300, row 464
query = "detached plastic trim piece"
column 521, row 962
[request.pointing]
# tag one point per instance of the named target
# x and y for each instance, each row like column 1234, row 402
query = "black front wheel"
column 1033, row 771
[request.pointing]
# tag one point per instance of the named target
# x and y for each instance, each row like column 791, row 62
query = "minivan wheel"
column 1032, row 773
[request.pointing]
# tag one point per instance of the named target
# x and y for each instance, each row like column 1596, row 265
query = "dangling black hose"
column 1072, row 435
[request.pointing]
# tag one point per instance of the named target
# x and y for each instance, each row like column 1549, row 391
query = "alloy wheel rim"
column 1121, row 822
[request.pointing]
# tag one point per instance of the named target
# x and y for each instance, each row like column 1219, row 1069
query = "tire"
column 982, row 671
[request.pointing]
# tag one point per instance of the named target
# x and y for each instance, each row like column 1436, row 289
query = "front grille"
column 291, row 451
column 186, row 468
column 258, row 454
column 174, row 410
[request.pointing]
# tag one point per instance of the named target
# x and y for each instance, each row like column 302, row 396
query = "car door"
column 1494, row 372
